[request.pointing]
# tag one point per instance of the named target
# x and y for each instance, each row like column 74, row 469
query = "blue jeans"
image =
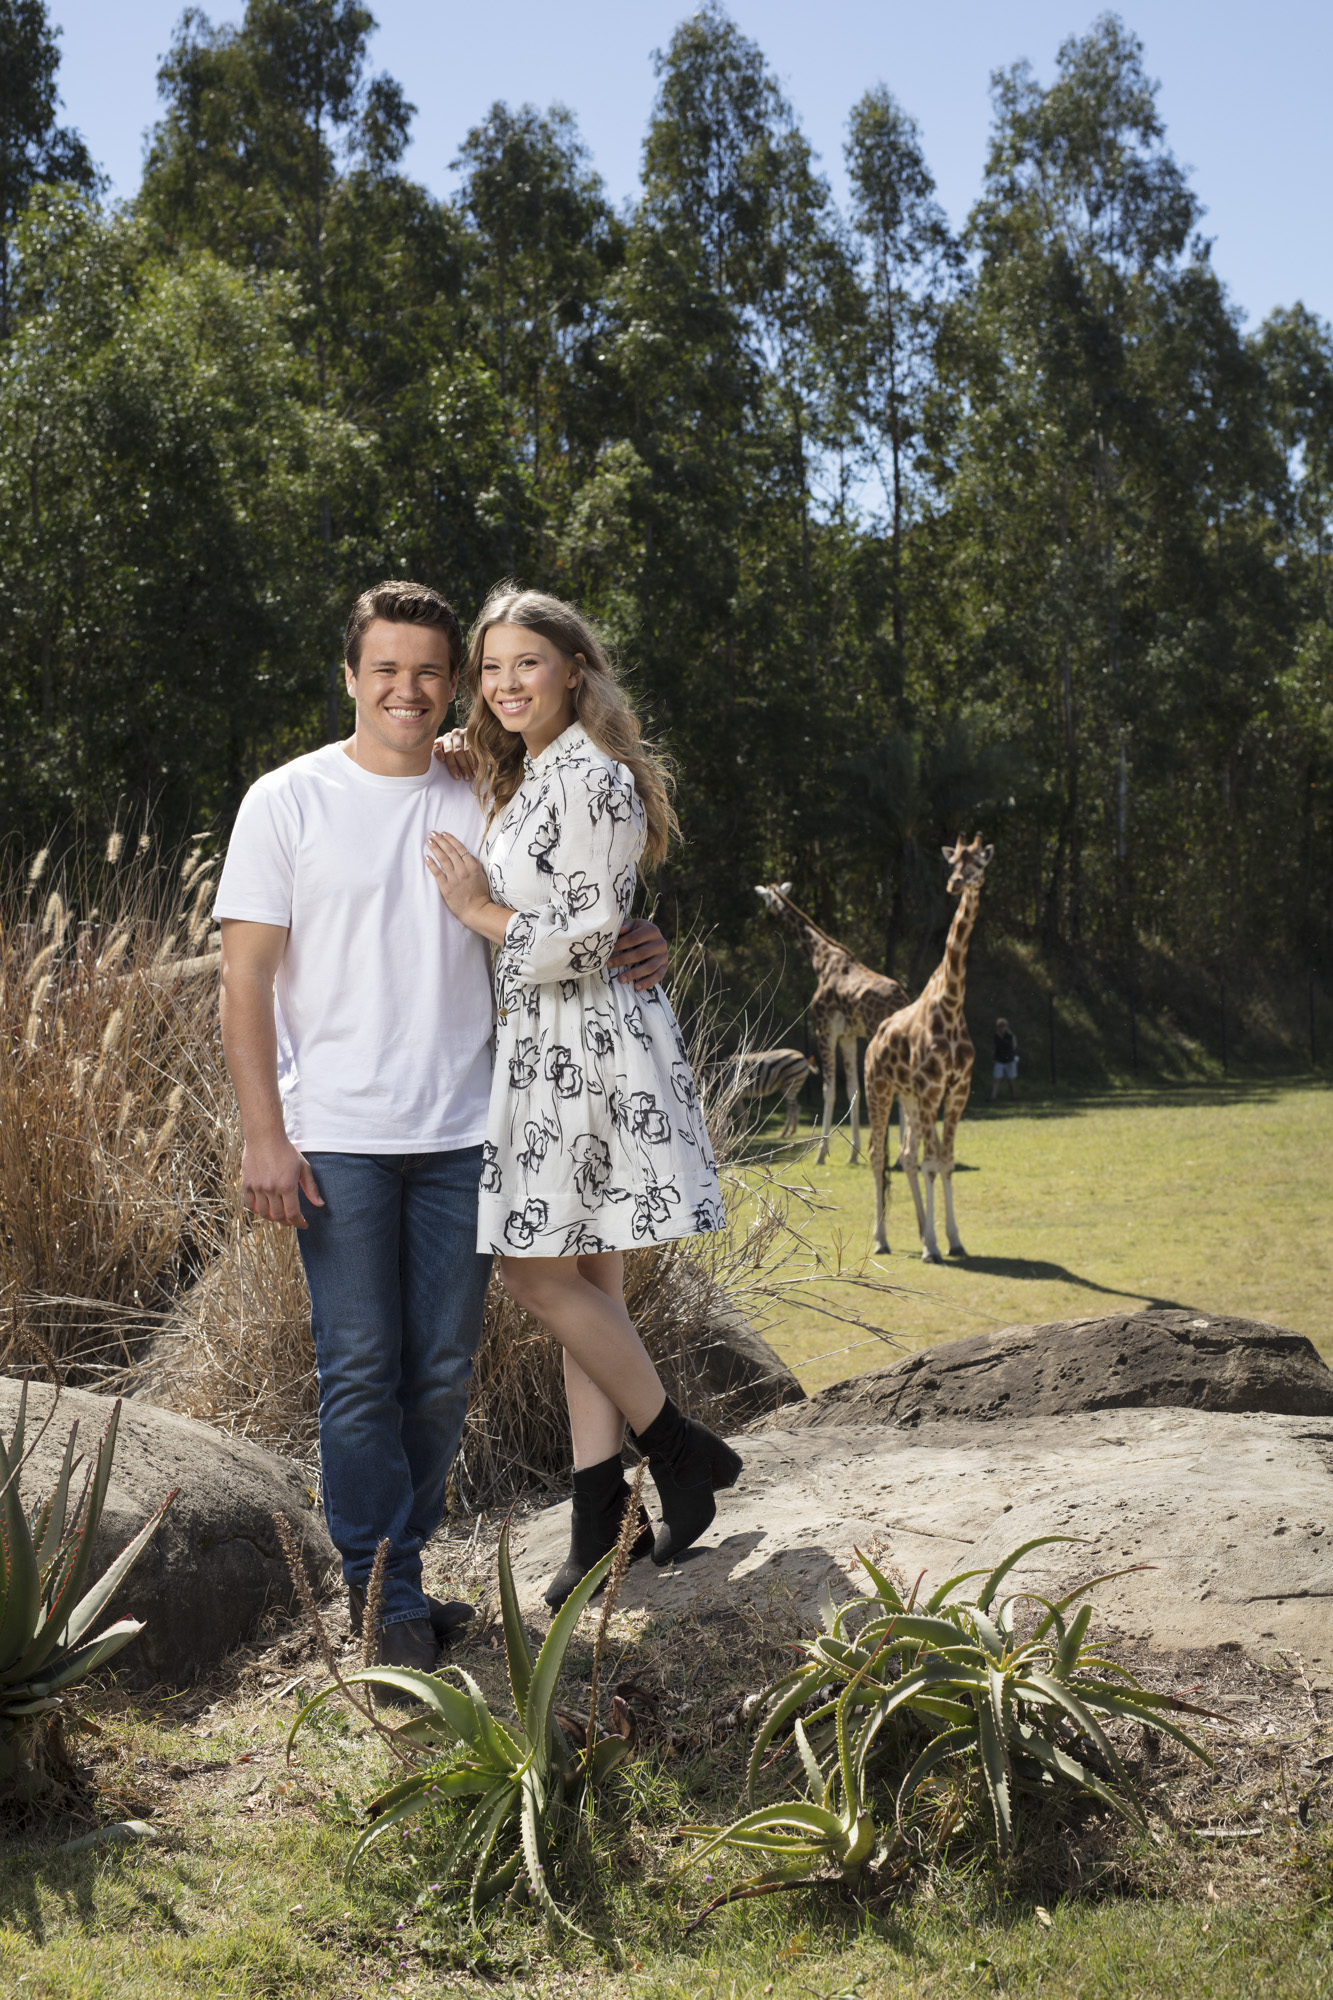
column 396, row 1295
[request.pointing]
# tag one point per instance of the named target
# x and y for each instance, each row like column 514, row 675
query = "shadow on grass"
column 1035, row 1267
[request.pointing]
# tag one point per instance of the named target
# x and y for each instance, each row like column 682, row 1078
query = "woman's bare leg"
column 597, row 1425
column 596, row 1332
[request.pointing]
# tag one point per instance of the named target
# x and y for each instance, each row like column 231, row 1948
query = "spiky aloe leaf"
column 491, row 1740
column 537, row 1718
column 1002, row 1569
column 1070, row 1642
column 781, row 1712
column 884, row 1588
column 407, row 1807
column 1078, row 1712
column 814, row 1775
column 995, row 1766
column 608, row 1752
column 531, row 1812
column 948, row 1744
column 1061, row 1765
column 817, row 1830
column 46, row 1524
column 945, row 1590
column 460, row 1782
column 489, row 1822
column 517, row 1650
column 21, row 1607
column 64, row 1593
column 95, row 1603
column 1072, row 1597
column 66, row 1668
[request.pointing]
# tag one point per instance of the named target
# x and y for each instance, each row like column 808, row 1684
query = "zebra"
column 766, row 1072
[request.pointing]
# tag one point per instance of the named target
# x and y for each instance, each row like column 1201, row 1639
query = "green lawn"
column 1215, row 1198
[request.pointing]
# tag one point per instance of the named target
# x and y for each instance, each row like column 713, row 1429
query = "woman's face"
column 528, row 683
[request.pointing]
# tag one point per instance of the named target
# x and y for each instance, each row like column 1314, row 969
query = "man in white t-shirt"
column 357, row 1020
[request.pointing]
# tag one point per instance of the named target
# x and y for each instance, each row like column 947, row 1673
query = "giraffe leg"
column 955, row 1103
column 907, row 1154
column 930, row 1146
column 879, row 1104
column 853, row 1094
column 829, row 1059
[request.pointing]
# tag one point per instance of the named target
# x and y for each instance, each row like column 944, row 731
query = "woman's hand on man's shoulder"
column 451, row 750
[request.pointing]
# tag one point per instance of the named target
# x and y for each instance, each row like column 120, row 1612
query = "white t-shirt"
column 383, row 999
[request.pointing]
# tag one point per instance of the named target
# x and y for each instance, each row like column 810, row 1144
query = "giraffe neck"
column 952, row 970
column 811, row 939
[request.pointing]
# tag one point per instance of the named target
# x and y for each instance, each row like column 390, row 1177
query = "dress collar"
column 570, row 743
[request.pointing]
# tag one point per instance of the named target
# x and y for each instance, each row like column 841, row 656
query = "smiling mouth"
column 512, row 707
column 407, row 714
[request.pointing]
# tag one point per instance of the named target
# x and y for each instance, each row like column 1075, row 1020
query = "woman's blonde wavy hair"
column 600, row 704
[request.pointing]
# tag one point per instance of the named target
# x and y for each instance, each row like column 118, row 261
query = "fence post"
column 1313, row 1053
column 1050, row 1033
column 1222, row 1002
column 1133, row 1033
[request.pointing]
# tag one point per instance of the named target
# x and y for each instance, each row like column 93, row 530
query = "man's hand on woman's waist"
column 641, row 954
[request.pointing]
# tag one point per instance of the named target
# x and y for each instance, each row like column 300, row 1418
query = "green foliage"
column 1019, row 1705
column 45, row 1611
column 832, row 492
column 526, row 1777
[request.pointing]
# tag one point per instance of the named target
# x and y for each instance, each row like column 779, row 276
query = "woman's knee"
column 536, row 1282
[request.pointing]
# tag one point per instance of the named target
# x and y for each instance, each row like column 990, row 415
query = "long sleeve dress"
column 595, row 1140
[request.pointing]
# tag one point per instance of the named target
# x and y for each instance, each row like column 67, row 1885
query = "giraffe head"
column 968, row 862
column 772, row 894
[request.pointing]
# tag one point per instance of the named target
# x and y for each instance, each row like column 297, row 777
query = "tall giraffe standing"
column 924, row 1055
column 850, row 1001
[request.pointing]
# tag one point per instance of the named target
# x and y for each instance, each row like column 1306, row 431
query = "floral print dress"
column 596, row 1140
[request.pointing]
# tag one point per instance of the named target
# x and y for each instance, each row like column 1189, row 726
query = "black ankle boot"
column 601, row 1493
column 689, row 1463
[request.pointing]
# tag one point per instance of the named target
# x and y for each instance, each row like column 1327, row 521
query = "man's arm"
column 272, row 1170
column 641, row 954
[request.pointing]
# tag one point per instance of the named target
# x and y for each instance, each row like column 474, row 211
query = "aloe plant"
column 527, row 1777
column 1022, row 1705
column 45, row 1612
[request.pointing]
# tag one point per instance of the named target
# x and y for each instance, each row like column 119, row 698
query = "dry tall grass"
column 127, row 1261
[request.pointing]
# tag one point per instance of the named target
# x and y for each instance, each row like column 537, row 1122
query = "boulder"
column 1157, row 1359
column 215, row 1565
column 738, row 1371
column 1223, row 1523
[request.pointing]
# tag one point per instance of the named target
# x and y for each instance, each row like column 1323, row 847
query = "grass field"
column 1215, row 1198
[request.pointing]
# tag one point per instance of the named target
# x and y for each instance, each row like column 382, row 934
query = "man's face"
column 402, row 690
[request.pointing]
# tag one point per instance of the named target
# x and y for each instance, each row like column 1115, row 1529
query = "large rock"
column 1158, row 1359
column 1195, row 1449
column 737, row 1367
column 214, row 1566
column 1231, row 1516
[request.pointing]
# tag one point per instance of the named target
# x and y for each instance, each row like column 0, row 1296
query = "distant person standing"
column 1006, row 1060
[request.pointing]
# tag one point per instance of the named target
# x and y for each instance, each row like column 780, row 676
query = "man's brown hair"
column 402, row 604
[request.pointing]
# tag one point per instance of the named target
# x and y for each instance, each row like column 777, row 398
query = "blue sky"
column 1245, row 93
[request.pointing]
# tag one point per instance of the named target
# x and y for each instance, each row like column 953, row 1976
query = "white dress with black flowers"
column 595, row 1139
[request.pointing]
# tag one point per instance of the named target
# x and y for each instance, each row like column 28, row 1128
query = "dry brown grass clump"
column 126, row 1259
column 112, row 1122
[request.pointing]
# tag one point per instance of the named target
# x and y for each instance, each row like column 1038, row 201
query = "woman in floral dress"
column 596, row 1143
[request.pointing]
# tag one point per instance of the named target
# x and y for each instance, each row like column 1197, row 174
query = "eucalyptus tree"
column 33, row 148
column 1082, row 235
column 912, row 259
column 158, row 530
column 545, row 242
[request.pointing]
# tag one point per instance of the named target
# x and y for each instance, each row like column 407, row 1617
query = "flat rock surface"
column 215, row 1566
column 1161, row 1358
column 1233, row 1512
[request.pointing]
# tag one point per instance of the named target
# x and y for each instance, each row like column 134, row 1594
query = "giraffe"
column 923, row 1055
column 850, row 1000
